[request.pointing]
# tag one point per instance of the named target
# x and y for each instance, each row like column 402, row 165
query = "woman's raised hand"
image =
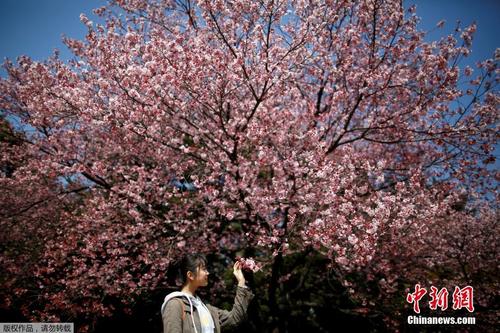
column 239, row 274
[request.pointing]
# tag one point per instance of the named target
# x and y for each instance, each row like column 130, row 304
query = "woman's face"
column 201, row 277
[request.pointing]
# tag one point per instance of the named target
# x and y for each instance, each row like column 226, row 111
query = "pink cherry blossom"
column 249, row 264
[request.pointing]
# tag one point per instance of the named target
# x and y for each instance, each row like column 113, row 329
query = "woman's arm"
column 231, row 319
column 172, row 317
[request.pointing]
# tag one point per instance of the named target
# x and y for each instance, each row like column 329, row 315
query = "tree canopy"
column 281, row 130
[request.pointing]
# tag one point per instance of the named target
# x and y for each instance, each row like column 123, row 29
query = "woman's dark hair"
column 190, row 262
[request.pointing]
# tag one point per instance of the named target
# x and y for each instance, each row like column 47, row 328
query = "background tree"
column 284, row 130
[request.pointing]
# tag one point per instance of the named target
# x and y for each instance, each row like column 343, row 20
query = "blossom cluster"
column 249, row 264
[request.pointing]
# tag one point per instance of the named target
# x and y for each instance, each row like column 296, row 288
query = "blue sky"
column 35, row 27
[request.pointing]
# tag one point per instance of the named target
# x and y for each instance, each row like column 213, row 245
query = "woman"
column 185, row 312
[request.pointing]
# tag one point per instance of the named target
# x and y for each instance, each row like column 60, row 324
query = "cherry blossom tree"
column 270, row 127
